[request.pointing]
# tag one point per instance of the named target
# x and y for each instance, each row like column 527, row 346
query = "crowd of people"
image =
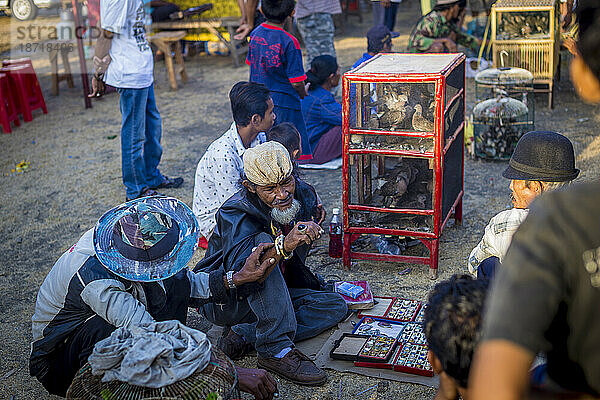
column 535, row 276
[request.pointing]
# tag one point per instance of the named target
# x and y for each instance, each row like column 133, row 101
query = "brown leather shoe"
column 233, row 345
column 295, row 367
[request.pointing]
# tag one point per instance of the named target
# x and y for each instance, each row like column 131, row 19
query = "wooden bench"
column 169, row 42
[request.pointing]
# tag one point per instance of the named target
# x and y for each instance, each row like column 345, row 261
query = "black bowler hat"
column 542, row 156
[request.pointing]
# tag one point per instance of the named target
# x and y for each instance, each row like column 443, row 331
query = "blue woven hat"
column 147, row 239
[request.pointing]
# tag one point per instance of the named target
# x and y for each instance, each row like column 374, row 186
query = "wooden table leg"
column 232, row 49
column 166, row 49
column 54, row 70
column 179, row 60
column 235, row 52
column 64, row 52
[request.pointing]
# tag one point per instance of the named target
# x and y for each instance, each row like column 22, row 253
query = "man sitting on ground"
column 547, row 294
column 218, row 172
column 438, row 31
column 542, row 161
column 289, row 306
column 322, row 113
column 130, row 270
column 452, row 326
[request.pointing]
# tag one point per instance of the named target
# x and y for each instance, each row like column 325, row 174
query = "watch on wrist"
column 229, row 276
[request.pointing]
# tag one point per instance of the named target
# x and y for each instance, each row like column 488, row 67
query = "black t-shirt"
column 546, row 296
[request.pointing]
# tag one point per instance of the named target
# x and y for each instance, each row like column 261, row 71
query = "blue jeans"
column 378, row 13
column 487, row 268
column 275, row 317
column 140, row 140
column 390, row 16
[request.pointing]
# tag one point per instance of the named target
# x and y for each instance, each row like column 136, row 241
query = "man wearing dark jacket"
column 288, row 306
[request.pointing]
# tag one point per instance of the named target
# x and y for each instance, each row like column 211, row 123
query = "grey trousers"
column 317, row 31
column 378, row 13
column 275, row 317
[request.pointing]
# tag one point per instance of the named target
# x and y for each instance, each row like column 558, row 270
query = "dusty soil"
column 75, row 176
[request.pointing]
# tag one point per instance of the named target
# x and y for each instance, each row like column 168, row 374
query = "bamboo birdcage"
column 525, row 34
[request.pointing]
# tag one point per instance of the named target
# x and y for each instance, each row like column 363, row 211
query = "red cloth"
column 202, row 242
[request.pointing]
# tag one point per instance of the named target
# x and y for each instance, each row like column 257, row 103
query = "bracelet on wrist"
column 280, row 248
column 229, row 277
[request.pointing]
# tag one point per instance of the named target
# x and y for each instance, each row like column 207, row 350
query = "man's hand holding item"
column 98, row 87
column 321, row 214
column 242, row 31
column 101, row 61
column 302, row 233
column 257, row 382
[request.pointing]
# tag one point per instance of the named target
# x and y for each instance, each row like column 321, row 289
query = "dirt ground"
column 75, row 176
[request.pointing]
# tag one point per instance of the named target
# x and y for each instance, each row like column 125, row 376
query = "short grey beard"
column 284, row 217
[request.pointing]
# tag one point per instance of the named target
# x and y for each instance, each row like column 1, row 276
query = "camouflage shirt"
column 434, row 26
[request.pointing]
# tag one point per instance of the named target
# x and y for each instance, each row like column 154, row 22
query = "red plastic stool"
column 8, row 107
column 28, row 90
column 18, row 61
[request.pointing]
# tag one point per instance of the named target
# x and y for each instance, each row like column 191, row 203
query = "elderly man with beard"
column 273, row 206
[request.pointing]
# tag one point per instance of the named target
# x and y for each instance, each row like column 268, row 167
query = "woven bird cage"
column 217, row 381
column 527, row 33
column 497, row 126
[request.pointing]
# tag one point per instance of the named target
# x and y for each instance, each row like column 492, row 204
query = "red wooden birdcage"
column 403, row 155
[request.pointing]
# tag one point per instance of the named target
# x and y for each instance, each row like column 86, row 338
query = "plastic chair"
column 8, row 107
column 28, row 90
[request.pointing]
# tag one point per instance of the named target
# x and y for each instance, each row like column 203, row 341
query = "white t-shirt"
column 132, row 61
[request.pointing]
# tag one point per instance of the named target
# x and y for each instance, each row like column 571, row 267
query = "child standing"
column 275, row 60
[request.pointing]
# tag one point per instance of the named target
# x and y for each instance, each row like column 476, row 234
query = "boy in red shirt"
column 275, row 60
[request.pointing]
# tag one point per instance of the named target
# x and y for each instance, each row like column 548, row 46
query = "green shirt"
column 435, row 26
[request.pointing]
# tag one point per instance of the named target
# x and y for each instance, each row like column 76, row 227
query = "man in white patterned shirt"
column 542, row 161
column 218, row 172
